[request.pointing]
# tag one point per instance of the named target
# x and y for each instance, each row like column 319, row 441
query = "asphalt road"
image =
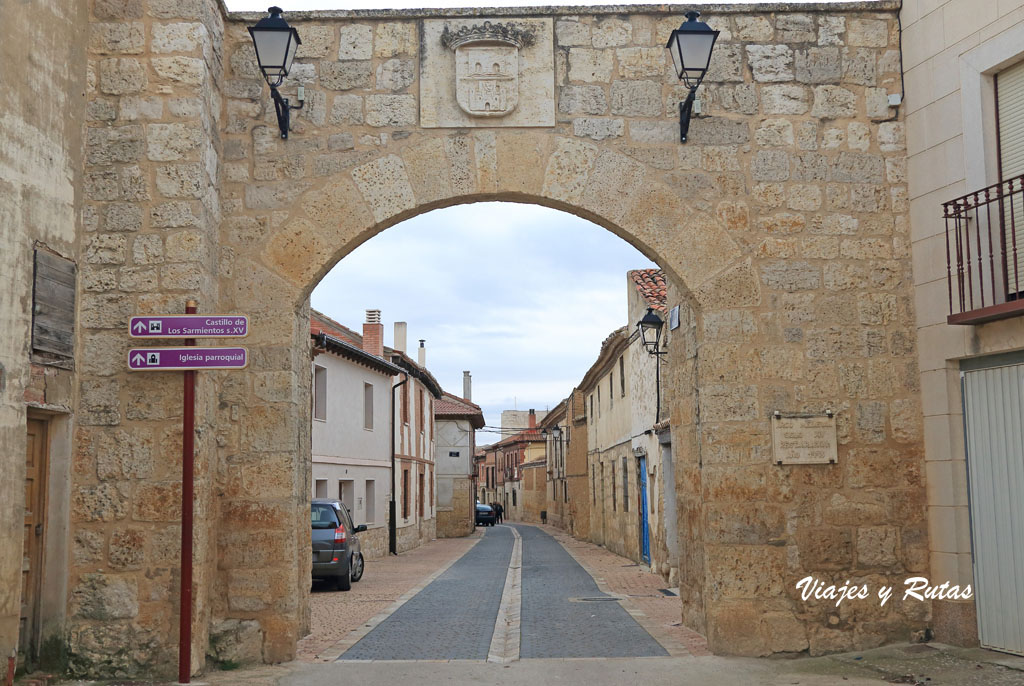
column 562, row 614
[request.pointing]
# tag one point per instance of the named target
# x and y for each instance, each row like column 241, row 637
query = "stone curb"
column 507, row 625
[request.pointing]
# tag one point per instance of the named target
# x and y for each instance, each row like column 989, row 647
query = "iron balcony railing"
column 985, row 253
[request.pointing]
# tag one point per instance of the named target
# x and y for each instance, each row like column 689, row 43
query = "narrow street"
column 519, row 604
column 564, row 613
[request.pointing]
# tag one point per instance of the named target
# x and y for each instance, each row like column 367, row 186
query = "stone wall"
column 782, row 223
column 149, row 220
column 459, row 519
column 40, row 179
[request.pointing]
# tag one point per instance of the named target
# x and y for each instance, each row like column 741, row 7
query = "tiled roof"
column 318, row 321
column 450, row 406
column 651, row 284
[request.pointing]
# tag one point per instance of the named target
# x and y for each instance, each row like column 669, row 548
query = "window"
column 622, row 376
column 565, row 491
column 320, row 488
column 347, row 493
column 53, row 309
column 591, row 408
column 513, row 498
column 371, row 500
column 611, row 389
column 598, row 401
column 613, row 487
column 368, row 406
column 320, row 393
column 423, row 411
column 420, row 494
column 405, row 493
column 405, row 403
column 1010, row 133
column 431, row 487
column 625, row 486
column 593, row 485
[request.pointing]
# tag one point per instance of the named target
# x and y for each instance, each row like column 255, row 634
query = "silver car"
column 336, row 553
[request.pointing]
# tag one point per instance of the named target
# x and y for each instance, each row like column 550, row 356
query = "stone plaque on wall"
column 487, row 72
column 804, row 439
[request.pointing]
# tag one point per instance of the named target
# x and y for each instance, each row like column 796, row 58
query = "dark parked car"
column 336, row 553
column 485, row 515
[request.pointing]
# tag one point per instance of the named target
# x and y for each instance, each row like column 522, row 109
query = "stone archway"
column 783, row 223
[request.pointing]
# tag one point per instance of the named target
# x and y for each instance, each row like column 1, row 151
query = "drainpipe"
column 392, row 514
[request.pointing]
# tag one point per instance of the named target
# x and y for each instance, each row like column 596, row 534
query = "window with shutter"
column 1010, row 131
column 53, row 310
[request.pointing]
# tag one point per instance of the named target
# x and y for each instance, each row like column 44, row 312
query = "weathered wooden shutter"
column 1010, row 90
column 53, row 308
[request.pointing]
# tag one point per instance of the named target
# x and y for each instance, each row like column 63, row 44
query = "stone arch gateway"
column 782, row 224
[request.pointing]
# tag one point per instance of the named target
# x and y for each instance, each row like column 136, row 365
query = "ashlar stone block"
column 582, row 100
column 343, row 76
column 833, row 102
column 818, row 65
column 356, row 42
column 636, row 98
column 785, row 99
column 590, row 66
column 121, row 75
column 391, row 110
column 182, row 37
column 770, row 63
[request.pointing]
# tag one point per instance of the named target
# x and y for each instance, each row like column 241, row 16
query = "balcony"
column 985, row 253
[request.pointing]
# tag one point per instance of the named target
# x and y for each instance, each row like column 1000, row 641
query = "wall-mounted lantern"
column 690, row 46
column 650, row 332
column 276, row 44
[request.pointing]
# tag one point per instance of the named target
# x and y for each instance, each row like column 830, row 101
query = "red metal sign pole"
column 188, row 433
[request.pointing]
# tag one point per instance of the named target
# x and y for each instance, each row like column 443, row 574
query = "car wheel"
column 344, row 581
column 357, row 566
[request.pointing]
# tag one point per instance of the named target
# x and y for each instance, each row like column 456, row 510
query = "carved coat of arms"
column 487, row 67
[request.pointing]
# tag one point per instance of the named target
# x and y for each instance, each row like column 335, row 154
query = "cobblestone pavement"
column 335, row 614
column 453, row 617
column 561, row 616
column 641, row 591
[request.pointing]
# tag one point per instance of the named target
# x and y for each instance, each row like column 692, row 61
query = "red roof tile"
column 652, row 286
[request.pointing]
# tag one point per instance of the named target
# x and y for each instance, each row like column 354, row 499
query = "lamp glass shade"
column 556, row 432
column 650, row 330
column 690, row 46
column 276, row 44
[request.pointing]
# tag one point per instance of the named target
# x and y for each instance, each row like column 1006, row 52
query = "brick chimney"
column 401, row 330
column 467, row 386
column 423, row 353
column 373, row 334
column 533, row 419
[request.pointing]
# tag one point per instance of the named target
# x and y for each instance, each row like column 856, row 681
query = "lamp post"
column 649, row 327
column 276, row 44
column 690, row 46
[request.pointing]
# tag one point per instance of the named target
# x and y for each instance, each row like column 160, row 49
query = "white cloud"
column 520, row 295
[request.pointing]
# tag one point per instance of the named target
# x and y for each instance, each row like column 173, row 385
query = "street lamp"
column 690, row 46
column 276, row 44
column 650, row 331
column 649, row 327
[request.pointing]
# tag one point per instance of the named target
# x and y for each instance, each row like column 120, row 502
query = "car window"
column 323, row 516
column 346, row 517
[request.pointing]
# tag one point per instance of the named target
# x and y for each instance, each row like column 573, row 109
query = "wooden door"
column 31, row 567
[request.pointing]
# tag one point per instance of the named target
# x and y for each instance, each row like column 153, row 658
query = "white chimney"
column 401, row 329
column 467, row 386
column 423, row 354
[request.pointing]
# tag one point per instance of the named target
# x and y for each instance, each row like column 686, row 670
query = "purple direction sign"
column 189, row 326
column 180, row 359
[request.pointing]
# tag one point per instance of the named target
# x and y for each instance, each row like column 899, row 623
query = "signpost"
column 187, row 359
column 180, row 359
column 189, row 326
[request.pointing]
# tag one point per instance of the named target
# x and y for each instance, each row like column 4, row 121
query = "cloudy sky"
column 519, row 295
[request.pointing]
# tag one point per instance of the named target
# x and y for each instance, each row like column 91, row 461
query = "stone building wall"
column 952, row 51
column 458, row 519
column 577, row 476
column 782, row 223
column 40, row 181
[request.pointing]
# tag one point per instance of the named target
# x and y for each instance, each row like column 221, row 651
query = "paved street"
column 429, row 616
column 564, row 613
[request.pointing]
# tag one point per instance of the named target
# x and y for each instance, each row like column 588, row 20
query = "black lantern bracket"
column 283, row 109
column 691, row 46
column 276, row 44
